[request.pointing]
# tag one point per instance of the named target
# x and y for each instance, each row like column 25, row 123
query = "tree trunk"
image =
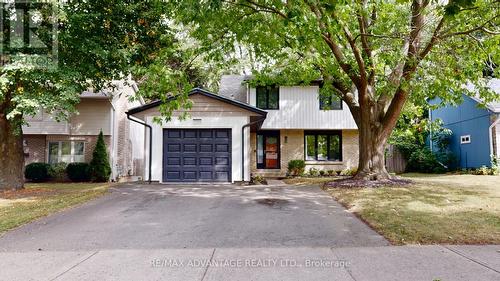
column 372, row 144
column 11, row 151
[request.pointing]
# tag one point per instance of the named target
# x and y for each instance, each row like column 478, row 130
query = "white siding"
column 44, row 124
column 299, row 109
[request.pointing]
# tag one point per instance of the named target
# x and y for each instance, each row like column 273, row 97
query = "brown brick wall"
column 292, row 147
column 34, row 149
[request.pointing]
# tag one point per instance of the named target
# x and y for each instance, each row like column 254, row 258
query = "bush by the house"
column 331, row 173
column 322, row 173
column 296, row 167
column 424, row 161
column 37, row 172
column 57, row 171
column 313, row 172
column 78, row 172
column 100, row 170
column 257, row 179
column 348, row 172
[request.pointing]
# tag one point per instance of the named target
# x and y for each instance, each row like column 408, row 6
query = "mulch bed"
column 354, row 183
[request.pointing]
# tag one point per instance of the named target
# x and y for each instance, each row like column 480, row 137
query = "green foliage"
column 257, row 179
column 313, row 172
column 296, row 167
column 495, row 165
column 411, row 137
column 78, row 172
column 100, row 169
column 58, row 171
column 349, row 172
column 37, row 172
column 322, row 173
column 424, row 161
column 331, row 173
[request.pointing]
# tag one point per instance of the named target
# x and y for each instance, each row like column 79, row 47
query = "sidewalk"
column 370, row 263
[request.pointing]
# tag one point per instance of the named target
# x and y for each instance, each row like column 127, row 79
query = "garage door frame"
column 198, row 140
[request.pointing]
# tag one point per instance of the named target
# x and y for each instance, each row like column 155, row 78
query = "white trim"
column 490, row 130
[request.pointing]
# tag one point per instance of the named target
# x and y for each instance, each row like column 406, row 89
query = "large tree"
column 373, row 54
column 98, row 41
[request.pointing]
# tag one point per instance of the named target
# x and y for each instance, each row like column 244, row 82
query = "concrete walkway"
column 366, row 263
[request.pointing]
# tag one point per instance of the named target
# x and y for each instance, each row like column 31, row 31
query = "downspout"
column 430, row 131
column 150, row 143
column 490, row 130
column 243, row 145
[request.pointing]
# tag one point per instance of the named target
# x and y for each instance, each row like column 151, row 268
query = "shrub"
column 296, row 167
column 37, row 172
column 100, row 170
column 483, row 171
column 331, row 173
column 495, row 165
column 423, row 160
column 313, row 172
column 78, row 172
column 257, row 179
column 322, row 173
column 57, row 171
column 349, row 172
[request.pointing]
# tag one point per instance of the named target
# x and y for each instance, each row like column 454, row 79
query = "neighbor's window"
column 465, row 139
column 268, row 97
column 330, row 103
column 66, row 151
column 323, row 145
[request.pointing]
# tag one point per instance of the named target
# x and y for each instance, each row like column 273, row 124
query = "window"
column 66, row 151
column 323, row 145
column 465, row 139
column 330, row 103
column 268, row 97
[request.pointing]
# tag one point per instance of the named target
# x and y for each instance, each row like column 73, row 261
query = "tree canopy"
column 374, row 54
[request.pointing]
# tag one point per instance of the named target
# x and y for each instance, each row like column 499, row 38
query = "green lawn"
column 452, row 209
column 42, row 199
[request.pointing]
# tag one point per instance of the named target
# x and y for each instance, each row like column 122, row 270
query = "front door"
column 268, row 150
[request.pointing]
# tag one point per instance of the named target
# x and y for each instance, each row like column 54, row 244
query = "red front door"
column 268, row 150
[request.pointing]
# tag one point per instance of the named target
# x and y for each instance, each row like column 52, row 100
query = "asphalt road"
column 197, row 216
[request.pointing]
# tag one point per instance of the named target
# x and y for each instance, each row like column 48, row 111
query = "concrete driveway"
column 197, row 216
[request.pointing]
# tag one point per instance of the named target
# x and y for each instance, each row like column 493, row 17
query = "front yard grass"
column 42, row 199
column 448, row 209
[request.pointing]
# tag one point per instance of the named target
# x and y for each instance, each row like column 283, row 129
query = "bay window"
column 323, row 145
column 66, row 151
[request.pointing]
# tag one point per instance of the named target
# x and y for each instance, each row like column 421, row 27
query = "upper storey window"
column 330, row 102
column 268, row 97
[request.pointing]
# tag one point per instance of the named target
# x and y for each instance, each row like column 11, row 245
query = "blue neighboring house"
column 476, row 129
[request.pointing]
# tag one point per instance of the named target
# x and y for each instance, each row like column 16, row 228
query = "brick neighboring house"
column 242, row 131
column 47, row 140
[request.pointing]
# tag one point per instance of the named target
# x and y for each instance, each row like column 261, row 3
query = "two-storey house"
column 243, row 130
column 50, row 141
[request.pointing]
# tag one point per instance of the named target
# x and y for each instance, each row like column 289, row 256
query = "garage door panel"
column 204, row 161
column 192, row 155
column 206, row 148
column 189, row 147
column 221, row 148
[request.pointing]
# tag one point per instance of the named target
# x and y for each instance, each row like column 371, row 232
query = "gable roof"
column 204, row 93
